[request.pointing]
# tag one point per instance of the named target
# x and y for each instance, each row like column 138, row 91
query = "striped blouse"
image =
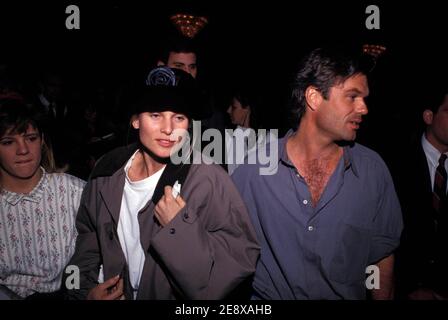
column 38, row 233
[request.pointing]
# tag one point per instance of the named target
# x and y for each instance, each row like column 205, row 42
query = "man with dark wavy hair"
column 329, row 210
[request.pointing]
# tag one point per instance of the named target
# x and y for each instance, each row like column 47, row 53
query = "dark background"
column 252, row 41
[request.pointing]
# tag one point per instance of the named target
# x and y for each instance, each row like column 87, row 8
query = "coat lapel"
column 112, row 193
column 148, row 225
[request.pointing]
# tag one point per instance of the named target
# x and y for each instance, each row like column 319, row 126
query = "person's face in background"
column 183, row 61
column 20, row 153
column 52, row 87
column 156, row 130
column 239, row 115
column 437, row 126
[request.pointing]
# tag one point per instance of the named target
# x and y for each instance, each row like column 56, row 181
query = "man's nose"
column 186, row 69
column 362, row 108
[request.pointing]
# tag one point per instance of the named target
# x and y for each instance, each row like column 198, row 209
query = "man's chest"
column 316, row 175
column 284, row 201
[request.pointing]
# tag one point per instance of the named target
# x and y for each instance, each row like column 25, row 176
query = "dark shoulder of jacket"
column 109, row 163
column 211, row 172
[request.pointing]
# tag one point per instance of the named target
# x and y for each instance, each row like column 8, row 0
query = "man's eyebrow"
column 357, row 91
column 179, row 63
column 353, row 90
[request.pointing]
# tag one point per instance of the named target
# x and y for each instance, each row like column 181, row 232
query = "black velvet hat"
column 169, row 89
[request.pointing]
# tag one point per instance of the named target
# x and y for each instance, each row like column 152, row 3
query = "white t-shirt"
column 136, row 195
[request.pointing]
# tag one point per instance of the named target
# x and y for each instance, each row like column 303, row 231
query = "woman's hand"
column 168, row 206
column 111, row 289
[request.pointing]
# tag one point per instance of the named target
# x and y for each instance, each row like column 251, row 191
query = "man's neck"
column 308, row 144
column 442, row 148
column 17, row 185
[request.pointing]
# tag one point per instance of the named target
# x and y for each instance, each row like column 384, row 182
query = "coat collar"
column 112, row 165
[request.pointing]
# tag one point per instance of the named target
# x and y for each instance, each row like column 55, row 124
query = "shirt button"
column 172, row 231
column 186, row 215
column 305, row 202
column 310, row 228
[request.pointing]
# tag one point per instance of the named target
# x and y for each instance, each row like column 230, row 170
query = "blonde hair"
column 47, row 158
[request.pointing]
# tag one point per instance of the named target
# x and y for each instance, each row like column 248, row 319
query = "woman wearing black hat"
column 152, row 229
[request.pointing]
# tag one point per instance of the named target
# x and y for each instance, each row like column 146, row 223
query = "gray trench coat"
column 205, row 252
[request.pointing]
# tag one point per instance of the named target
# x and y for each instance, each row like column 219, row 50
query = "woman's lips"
column 165, row 143
column 23, row 162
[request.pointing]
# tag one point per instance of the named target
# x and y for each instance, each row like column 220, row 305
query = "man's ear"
column 428, row 116
column 313, row 97
column 160, row 63
column 135, row 123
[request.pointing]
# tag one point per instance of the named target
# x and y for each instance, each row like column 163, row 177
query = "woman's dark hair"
column 16, row 116
column 324, row 68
